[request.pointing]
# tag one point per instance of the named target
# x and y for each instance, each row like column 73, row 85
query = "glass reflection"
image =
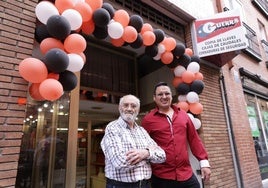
column 42, row 162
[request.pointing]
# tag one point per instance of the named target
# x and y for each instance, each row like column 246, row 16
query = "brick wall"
column 17, row 20
column 246, row 151
column 236, row 102
column 214, row 131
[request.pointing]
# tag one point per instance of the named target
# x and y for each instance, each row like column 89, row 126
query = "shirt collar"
column 156, row 110
column 123, row 123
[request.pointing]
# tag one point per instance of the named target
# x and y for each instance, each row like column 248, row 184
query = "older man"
column 128, row 149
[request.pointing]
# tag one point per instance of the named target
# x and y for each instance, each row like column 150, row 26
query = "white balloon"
column 157, row 57
column 182, row 98
column 192, row 97
column 115, row 30
column 74, row 18
column 179, row 70
column 193, row 67
column 161, row 48
column 44, row 10
column 191, row 116
column 76, row 63
column 197, row 123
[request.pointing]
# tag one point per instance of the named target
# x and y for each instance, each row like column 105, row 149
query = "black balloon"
column 137, row 43
column 151, row 50
column 159, row 35
column 184, row 60
column 100, row 32
column 183, row 89
column 197, row 86
column 58, row 27
column 109, row 8
column 41, row 33
column 174, row 63
column 178, row 50
column 68, row 80
column 195, row 58
column 136, row 21
column 56, row 60
column 101, row 17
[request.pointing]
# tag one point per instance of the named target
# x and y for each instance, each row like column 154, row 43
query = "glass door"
column 94, row 115
column 42, row 161
column 257, row 109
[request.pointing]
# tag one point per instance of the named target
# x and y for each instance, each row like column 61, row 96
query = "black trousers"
column 117, row 184
column 165, row 183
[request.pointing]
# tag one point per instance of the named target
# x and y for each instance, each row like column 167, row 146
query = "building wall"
column 236, row 101
column 17, row 20
column 214, row 130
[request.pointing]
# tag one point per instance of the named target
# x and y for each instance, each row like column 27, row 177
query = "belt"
column 120, row 183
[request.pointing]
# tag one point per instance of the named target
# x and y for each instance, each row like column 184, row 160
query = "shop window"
column 257, row 109
column 42, row 161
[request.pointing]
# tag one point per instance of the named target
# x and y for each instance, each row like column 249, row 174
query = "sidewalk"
column 265, row 183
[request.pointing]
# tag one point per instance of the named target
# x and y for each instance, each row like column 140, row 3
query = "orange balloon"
column 148, row 38
column 199, row 76
column 85, row 10
column 130, row 34
column 176, row 81
column 88, row 27
column 146, row 27
column 51, row 89
column 196, row 108
column 33, row 70
column 94, row 4
column 188, row 77
column 169, row 43
column 63, row 5
column 122, row 17
column 49, row 43
column 53, row 75
column 166, row 57
column 183, row 105
column 34, row 92
column 189, row 51
column 75, row 43
column 117, row 42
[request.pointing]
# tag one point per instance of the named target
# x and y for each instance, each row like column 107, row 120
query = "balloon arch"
column 63, row 49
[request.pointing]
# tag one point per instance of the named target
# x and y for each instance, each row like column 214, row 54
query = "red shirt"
column 172, row 137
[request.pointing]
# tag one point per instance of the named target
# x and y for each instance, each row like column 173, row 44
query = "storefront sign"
column 220, row 34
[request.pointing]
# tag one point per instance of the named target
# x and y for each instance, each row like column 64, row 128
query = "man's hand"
column 205, row 172
column 136, row 155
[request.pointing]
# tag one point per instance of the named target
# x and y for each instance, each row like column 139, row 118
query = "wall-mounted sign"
column 222, row 33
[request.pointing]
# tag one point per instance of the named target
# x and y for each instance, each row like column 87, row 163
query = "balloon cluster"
column 63, row 46
column 188, row 82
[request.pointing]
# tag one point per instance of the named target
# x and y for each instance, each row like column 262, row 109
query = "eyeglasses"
column 162, row 94
column 127, row 105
